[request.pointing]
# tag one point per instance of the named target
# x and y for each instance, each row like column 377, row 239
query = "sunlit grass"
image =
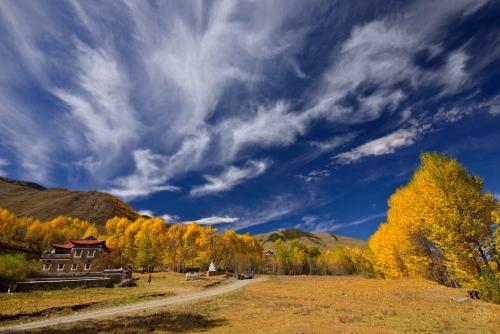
column 313, row 304
column 28, row 305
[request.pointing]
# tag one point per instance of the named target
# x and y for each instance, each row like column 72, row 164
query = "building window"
column 91, row 253
column 46, row 267
column 60, row 267
column 87, row 266
column 74, row 266
column 78, row 253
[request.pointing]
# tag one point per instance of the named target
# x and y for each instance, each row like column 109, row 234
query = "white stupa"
column 212, row 270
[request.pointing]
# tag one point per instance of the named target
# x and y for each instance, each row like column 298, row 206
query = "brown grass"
column 21, row 307
column 313, row 304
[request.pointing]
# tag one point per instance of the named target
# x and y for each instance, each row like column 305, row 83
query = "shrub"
column 489, row 287
column 14, row 268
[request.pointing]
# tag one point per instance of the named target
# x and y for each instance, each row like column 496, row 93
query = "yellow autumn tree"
column 150, row 243
column 175, row 247
column 116, row 240
column 7, row 224
column 39, row 235
column 438, row 226
column 238, row 253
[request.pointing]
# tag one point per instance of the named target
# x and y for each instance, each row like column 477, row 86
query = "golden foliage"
column 438, row 225
column 145, row 242
column 41, row 234
column 295, row 258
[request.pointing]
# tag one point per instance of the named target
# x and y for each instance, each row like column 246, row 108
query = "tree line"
column 295, row 258
column 146, row 243
column 150, row 243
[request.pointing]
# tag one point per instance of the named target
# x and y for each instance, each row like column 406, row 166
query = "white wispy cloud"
column 309, row 219
column 332, row 143
column 493, row 106
column 272, row 209
column 180, row 61
column 146, row 213
column 381, row 146
column 32, row 153
column 451, row 115
column 166, row 217
column 380, row 55
column 148, row 178
column 3, row 163
column 141, row 87
column 215, row 220
column 360, row 221
column 170, row 218
column 314, row 224
column 315, row 175
column 230, row 177
column 99, row 109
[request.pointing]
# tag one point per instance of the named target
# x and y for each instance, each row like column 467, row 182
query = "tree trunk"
column 483, row 257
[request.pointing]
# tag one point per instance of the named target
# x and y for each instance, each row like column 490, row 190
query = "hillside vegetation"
column 328, row 241
column 27, row 199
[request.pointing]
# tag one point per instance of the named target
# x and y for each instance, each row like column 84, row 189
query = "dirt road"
column 119, row 310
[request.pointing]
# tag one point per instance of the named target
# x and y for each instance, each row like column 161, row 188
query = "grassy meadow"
column 314, row 304
column 37, row 305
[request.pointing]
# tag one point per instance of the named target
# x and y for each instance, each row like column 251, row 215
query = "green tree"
column 14, row 268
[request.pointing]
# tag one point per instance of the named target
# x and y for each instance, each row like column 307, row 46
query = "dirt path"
column 118, row 310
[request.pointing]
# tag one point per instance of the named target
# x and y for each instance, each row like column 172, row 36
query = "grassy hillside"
column 31, row 199
column 322, row 240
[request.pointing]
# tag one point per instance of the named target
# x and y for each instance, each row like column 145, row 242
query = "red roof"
column 65, row 246
column 90, row 241
column 87, row 242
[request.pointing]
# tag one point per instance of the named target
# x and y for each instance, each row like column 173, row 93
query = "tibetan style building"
column 75, row 257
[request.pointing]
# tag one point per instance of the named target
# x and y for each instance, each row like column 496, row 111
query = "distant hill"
column 322, row 240
column 31, row 199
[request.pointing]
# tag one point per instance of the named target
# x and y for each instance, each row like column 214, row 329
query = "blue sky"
column 253, row 115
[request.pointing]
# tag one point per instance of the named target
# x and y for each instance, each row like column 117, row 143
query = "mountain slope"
column 322, row 240
column 31, row 199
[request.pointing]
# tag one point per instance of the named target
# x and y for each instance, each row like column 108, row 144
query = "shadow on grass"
column 46, row 312
column 61, row 309
column 176, row 322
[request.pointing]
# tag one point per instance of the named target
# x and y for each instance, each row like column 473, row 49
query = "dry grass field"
column 35, row 305
column 313, row 304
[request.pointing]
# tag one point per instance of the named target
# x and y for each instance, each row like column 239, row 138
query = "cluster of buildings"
column 75, row 257
column 78, row 263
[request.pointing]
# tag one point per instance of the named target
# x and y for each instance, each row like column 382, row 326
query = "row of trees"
column 295, row 258
column 150, row 243
column 38, row 235
column 440, row 226
column 146, row 243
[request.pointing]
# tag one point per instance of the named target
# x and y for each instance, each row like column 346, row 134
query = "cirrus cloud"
column 230, row 177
